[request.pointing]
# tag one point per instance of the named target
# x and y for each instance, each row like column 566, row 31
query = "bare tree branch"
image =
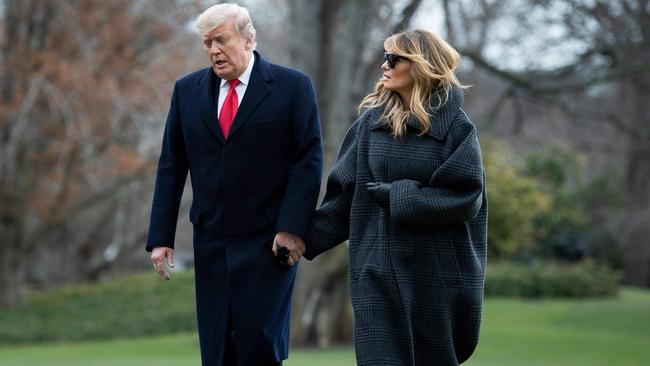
column 493, row 113
column 548, row 84
column 370, row 69
column 520, row 116
column 16, row 133
column 451, row 36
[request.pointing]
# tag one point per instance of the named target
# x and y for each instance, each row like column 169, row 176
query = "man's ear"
column 249, row 43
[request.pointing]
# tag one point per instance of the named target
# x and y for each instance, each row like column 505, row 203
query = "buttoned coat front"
column 416, row 269
column 262, row 179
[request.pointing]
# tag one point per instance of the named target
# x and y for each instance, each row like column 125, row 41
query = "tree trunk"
column 341, row 109
column 636, row 224
column 330, row 40
column 10, row 272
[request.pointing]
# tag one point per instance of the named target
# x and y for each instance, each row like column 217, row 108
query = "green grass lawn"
column 609, row 332
column 176, row 350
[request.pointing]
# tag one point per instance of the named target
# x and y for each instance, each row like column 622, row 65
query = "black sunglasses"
column 392, row 59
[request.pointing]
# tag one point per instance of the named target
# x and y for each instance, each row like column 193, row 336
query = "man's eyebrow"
column 217, row 37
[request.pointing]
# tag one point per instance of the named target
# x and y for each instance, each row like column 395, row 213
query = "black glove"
column 283, row 255
column 380, row 192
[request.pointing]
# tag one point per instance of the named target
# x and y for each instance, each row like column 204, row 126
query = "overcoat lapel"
column 207, row 95
column 258, row 89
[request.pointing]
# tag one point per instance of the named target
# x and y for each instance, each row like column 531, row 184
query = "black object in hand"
column 380, row 192
column 282, row 255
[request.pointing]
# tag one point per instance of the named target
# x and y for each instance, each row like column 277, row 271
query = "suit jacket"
column 263, row 179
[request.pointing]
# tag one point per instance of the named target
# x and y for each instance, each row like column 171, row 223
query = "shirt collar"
column 245, row 77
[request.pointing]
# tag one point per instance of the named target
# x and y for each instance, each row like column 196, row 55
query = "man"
column 249, row 134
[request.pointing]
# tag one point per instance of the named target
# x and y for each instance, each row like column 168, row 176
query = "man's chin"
column 223, row 74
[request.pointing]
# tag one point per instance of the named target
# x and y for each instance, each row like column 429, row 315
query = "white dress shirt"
column 240, row 89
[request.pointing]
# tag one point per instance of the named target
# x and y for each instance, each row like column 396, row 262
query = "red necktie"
column 229, row 108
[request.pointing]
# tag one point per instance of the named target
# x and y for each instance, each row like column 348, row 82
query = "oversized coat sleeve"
column 170, row 180
column 306, row 165
column 455, row 191
column 331, row 223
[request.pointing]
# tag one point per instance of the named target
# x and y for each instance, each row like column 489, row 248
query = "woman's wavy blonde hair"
column 433, row 62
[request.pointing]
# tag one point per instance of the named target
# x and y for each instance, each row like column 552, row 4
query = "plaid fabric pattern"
column 417, row 269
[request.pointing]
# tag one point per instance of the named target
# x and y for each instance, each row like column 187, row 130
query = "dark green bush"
column 544, row 206
column 580, row 222
column 550, row 279
column 135, row 305
column 515, row 201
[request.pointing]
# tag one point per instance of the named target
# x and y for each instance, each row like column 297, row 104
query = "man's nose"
column 214, row 49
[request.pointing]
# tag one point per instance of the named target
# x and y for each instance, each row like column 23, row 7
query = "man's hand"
column 294, row 245
column 158, row 255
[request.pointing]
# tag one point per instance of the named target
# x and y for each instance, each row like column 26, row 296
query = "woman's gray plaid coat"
column 416, row 270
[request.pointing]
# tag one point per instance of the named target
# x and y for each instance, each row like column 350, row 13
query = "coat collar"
column 207, row 95
column 441, row 118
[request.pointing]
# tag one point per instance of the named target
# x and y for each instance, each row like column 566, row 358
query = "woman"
column 408, row 191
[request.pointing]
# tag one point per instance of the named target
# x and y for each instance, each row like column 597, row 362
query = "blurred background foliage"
column 559, row 97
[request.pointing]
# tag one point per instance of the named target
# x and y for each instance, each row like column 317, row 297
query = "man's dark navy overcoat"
column 263, row 179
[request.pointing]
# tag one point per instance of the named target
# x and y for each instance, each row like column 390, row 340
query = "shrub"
column 134, row 305
column 544, row 205
column 550, row 279
column 515, row 202
column 582, row 207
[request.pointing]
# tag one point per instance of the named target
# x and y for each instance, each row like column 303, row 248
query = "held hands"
column 288, row 248
column 158, row 255
column 380, row 192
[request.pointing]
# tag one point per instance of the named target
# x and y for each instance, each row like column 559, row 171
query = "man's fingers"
column 170, row 259
column 160, row 268
column 301, row 248
column 294, row 256
column 291, row 246
column 158, row 265
column 158, row 260
column 164, row 274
